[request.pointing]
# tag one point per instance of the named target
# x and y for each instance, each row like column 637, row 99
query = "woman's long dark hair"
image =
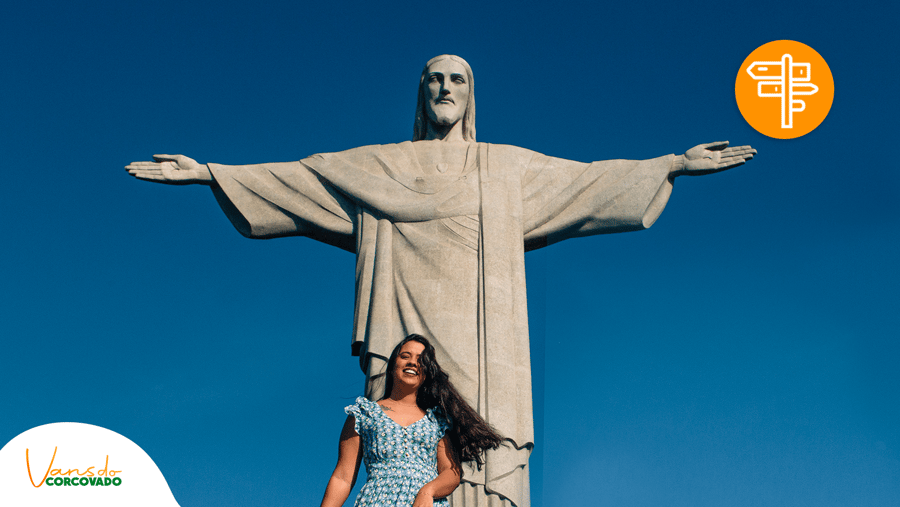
column 470, row 435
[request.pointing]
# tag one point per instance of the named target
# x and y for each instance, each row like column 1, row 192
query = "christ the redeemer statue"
column 440, row 227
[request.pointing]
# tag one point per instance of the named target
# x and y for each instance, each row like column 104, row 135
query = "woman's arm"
column 447, row 480
column 344, row 476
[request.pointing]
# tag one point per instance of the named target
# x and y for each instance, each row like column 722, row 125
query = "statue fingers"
column 728, row 163
column 154, row 171
column 738, row 150
column 142, row 165
column 746, row 147
column 737, row 157
column 746, row 154
column 138, row 173
column 149, row 176
column 162, row 176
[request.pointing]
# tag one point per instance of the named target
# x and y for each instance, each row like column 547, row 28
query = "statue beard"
column 443, row 123
column 445, row 116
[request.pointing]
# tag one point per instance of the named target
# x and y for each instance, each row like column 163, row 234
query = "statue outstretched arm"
column 564, row 199
column 711, row 158
column 263, row 200
column 171, row 170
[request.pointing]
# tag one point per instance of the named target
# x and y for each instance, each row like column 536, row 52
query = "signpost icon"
column 784, row 80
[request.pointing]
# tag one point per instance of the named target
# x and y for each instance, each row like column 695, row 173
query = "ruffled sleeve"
column 362, row 414
column 443, row 421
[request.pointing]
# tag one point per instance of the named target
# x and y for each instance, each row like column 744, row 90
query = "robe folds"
column 439, row 231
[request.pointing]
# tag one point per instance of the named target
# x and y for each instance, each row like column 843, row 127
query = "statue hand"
column 712, row 158
column 172, row 170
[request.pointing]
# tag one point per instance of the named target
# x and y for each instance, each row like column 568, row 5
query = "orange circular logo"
column 784, row 89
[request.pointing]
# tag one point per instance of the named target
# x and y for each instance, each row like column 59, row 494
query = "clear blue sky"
column 742, row 352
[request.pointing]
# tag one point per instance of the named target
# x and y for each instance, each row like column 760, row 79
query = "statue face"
column 446, row 93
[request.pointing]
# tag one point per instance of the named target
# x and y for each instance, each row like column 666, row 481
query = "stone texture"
column 442, row 253
column 440, row 227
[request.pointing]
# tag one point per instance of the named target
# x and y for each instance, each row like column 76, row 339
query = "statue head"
column 439, row 100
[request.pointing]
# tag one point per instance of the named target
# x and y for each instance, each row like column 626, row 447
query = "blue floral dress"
column 399, row 461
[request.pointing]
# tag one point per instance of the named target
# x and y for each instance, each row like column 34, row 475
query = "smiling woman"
column 413, row 440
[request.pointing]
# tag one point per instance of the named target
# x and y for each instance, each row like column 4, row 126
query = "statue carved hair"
column 420, row 126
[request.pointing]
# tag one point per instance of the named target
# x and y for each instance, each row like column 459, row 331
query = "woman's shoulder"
column 362, row 407
column 363, row 412
column 443, row 421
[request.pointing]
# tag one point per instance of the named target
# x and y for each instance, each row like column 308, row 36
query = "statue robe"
column 440, row 231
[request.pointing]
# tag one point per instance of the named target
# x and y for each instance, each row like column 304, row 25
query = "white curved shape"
column 96, row 458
